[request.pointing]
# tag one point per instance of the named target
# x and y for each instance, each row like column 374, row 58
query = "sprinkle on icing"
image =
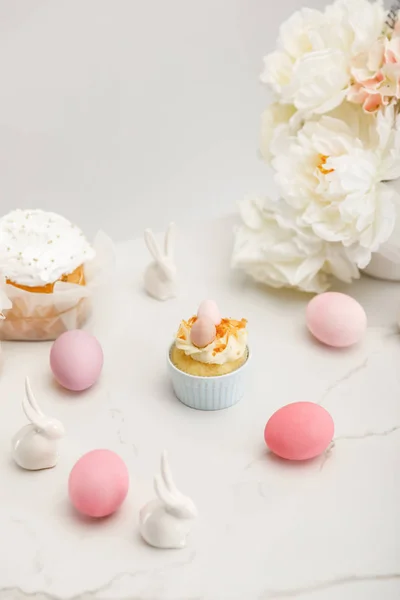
column 38, row 247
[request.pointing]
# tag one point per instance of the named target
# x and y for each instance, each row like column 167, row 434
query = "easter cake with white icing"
column 39, row 250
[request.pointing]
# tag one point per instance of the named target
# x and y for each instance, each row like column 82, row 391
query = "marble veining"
column 323, row 585
column 353, row 371
column 267, row 529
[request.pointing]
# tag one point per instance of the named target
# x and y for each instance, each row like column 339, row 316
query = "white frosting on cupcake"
column 229, row 346
column 38, row 247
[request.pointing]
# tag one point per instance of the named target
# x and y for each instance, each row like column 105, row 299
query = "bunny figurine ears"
column 34, row 447
column 160, row 277
column 166, row 521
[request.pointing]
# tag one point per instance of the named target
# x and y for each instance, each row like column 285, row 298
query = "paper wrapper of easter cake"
column 44, row 316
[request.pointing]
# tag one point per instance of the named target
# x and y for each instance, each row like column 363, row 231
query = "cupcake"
column 208, row 359
column 43, row 258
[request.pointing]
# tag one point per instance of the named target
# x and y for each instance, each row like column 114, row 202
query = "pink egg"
column 76, row 359
column 299, row 431
column 209, row 308
column 336, row 319
column 203, row 332
column 98, row 483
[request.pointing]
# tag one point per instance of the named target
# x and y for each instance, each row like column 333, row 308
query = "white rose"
column 334, row 180
column 273, row 249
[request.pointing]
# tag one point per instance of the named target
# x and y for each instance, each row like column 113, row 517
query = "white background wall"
column 122, row 114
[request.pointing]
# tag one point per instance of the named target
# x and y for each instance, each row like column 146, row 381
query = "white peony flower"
column 320, row 81
column 334, row 180
column 384, row 137
column 300, row 34
column 306, row 71
column 295, row 40
column 360, row 21
column 278, row 73
column 273, row 119
column 333, row 138
column 311, row 68
column 273, row 249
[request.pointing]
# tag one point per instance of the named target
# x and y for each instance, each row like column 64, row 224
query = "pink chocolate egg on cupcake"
column 207, row 360
column 209, row 309
column 203, row 332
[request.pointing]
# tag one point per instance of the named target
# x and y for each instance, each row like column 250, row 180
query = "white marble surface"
column 322, row 530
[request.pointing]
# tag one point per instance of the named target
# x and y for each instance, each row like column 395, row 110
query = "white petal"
column 284, row 253
column 275, row 120
column 278, row 68
column 319, row 79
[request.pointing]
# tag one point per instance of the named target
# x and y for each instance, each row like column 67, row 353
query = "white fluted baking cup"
column 209, row 393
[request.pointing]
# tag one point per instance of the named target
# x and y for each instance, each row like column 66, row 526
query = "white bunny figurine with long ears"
column 34, row 447
column 166, row 521
column 160, row 278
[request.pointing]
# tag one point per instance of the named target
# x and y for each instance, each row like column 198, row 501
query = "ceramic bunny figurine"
column 160, row 278
column 166, row 521
column 34, row 447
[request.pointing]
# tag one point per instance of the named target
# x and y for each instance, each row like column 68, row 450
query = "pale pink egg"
column 209, row 308
column 203, row 332
column 98, row 483
column 299, row 431
column 76, row 359
column 336, row 319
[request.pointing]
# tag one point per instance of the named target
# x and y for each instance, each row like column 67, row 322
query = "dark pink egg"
column 299, row 431
column 98, row 483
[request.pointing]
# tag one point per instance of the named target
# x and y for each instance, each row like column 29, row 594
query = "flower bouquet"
column 332, row 137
